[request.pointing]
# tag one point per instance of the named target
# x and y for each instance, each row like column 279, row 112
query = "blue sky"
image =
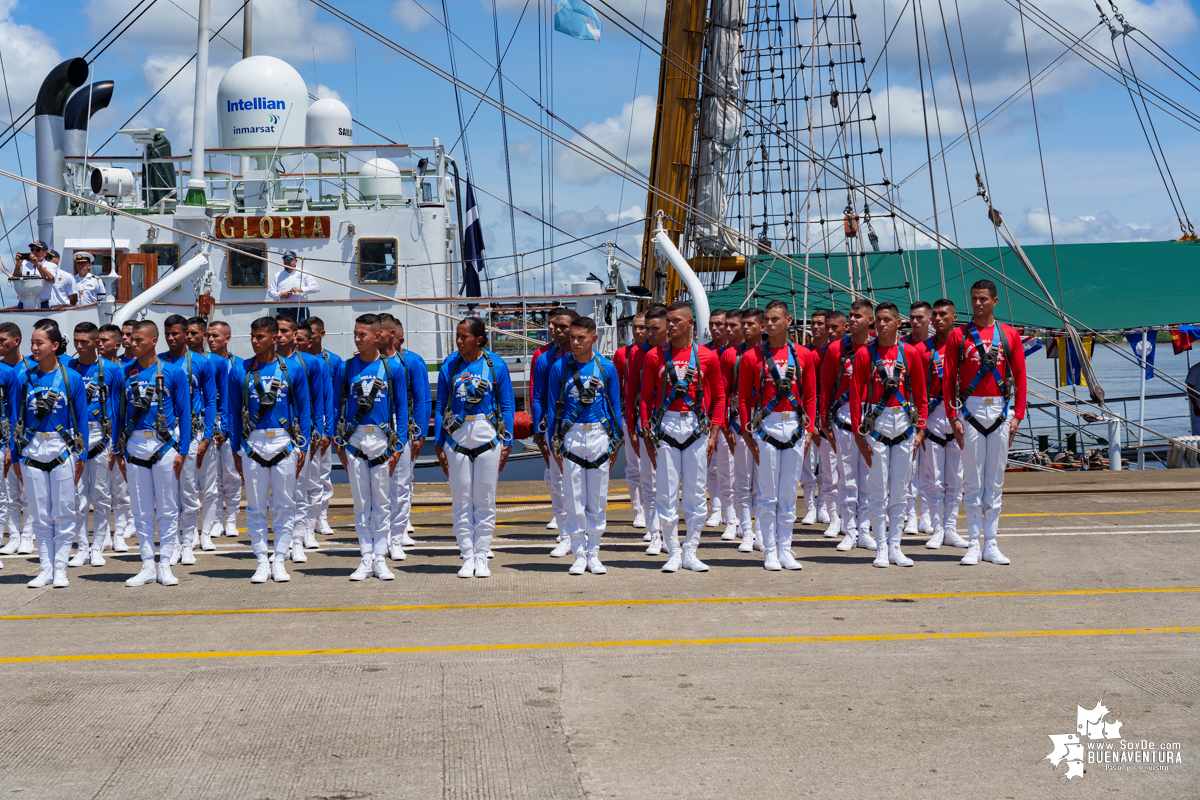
column 1103, row 185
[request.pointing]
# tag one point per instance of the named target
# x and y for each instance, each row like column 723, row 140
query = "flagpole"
column 1142, row 403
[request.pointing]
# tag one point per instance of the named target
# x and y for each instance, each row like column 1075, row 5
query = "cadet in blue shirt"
column 472, row 425
column 154, row 421
column 583, row 419
column 208, row 470
column 108, row 346
column 270, row 423
column 315, row 328
column 229, row 482
column 202, row 389
column 372, row 423
column 417, row 379
column 308, row 484
column 48, row 451
column 102, row 381
column 10, row 488
column 559, row 326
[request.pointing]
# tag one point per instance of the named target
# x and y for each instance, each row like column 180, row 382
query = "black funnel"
column 76, row 116
column 56, row 89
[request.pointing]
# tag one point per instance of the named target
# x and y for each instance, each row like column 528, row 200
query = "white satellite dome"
column 328, row 124
column 379, row 179
column 262, row 102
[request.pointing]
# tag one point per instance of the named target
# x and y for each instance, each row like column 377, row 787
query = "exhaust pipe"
column 48, row 129
column 78, row 115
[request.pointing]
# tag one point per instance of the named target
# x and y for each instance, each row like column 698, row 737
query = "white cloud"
column 412, row 14
column 1099, row 227
column 628, row 135
column 173, row 109
column 29, row 56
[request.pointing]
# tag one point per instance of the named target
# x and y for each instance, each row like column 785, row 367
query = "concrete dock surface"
column 838, row 681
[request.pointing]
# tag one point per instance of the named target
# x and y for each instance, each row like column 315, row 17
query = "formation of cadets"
column 882, row 434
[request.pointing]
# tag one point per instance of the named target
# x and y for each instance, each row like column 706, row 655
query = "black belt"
column 845, row 426
column 893, row 440
column 47, row 466
column 696, row 434
column 780, row 444
column 97, row 450
column 147, row 462
column 270, row 462
column 371, row 462
column 940, row 441
column 977, row 425
column 471, row 452
column 583, row 462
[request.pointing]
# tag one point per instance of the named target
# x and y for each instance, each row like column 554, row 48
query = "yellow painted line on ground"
column 477, row 648
column 666, row 601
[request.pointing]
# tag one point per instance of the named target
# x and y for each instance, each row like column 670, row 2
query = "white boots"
column 323, row 526
column 381, row 569
column 164, row 575
column 98, row 557
column 810, row 508
column 262, row 573
column 397, row 553
column 148, row 574
column 639, row 518
column 82, row 556
column 690, row 561
column 580, row 565
column 656, row 545
column 835, row 525
column 561, row 549
column 992, row 553
column 731, row 532
column 45, row 576
column 278, row 572
column 475, row 566
column 366, row 568
column 60, row 578
column 747, row 545
column 206, row 542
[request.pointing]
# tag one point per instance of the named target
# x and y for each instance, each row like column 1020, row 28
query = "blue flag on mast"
column 1146, row 354
column 472, row 246
column 576, row 18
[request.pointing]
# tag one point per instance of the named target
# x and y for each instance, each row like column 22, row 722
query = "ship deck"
column 837, row 681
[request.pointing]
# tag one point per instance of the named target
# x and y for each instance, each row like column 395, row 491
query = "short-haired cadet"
column 108, row 346
column 102, row 382
column 270, row 401
column 389, row 326
column 48, row 451
column 20, row 534
column 621, row 360
column 416, row 377
column 229, row 482
column 559, row 324
column 583, row 416
column 155, row 423
column 941, row 463
column 473, row 423
column 208, row 472
column 337, row 373
column 372, row 420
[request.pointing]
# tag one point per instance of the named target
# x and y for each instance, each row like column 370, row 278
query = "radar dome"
column 262, row 102
column 328, row 124
column 379, row 179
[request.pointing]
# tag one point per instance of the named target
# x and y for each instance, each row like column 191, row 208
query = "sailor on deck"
column 985, row 383
column 155, row 430
column 683, row 400
column 887, row 411
column 472, row 438
column 583, row 417
column 777, row 393
column 48, row 450
column 720, row 466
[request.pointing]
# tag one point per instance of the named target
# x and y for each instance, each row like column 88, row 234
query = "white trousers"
column 308, row 493
column 122, row 514
column 722, row 462
column 983, row 460
column 189, row 493
column 153, row 497
column 889, row 475
column 473, row 488
column 633, row 475
column 778, row 476
column 371, row 489
column 14, row 502
column 210, row 489
column 554, row 483
column 229, row 484
column 94, row 491
column 270, row 488
column 402, row 495
column 648, row 477
column 51, row 498
column 743, row 484
column 585, row 491
column 851, row 474
column 326, row 473
column 808, row 471
column 681, row 481
column 828, row 470
column 941, row 473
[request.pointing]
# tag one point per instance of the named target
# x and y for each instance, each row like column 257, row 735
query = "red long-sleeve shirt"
column 954, row 379
column 834, row 385
column 709, row 376
column 729, row 360
column 867, row 386
column 934, row 355
column 633, row 386
column 750, row 378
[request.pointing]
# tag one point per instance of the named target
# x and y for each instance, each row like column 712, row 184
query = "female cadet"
column 474, row 419
column 49, row 431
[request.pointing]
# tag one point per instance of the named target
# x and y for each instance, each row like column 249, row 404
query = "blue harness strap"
column 44, row 406
column 366, row 402
column 843, row 357
column 266, row 405
column 987, row 366
column 786, row 385
column 734, row 417
column 142, row 404
column 680, row 390
column 893, row 386
column 566, row 420
column 451, row 422
column 937, row 365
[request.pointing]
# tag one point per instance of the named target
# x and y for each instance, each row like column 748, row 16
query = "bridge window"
column 246, row 271
column 377, row 260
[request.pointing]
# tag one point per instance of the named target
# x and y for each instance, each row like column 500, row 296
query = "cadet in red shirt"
column 813, row 480
column 985, row 385
column 887, row 410
column 656, row 336
column 777, row 391
column 683, row 402
column 941, row 457
column 736, row 489
column 633, row 478
column 743, row 463
column 718, row 472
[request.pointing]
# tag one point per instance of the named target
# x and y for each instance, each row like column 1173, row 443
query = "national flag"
column 473, row 262
column 1144, row 354
column 576, row 18
column 1032, row 345
column 1181, row 340
column 1070, row 369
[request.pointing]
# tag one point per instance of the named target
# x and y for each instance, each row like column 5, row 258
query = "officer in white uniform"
column 472, row 438
column 269, row 424
column 229, row 482
column 108, row 346
column 155, row 417
column 102, row 381
column 372, row 421
column 324, row 455
column 582, row 416
column 289, row 283
column 59, row 289
column 90, row 288
column 48, row 451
